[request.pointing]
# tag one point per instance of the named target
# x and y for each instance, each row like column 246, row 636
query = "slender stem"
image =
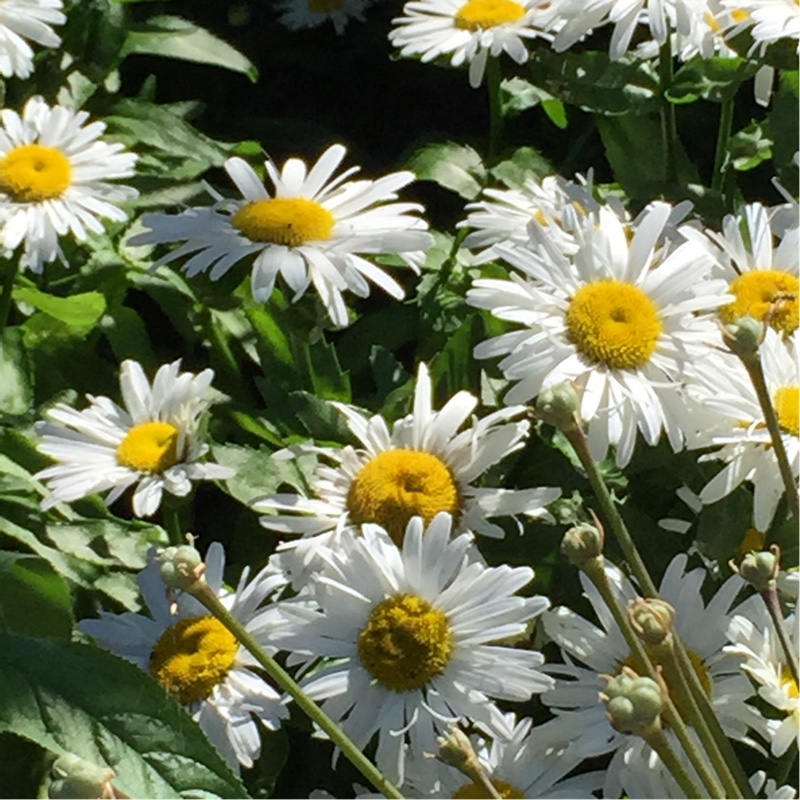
column 10, row 269
column 289, row 685
column 756, row 372
column 723, row 137
column 659, row 743
column 577, row 438
column 770, row 598
column 171, row 517
column 669, row 126
column 493, row 79
column 596, row 574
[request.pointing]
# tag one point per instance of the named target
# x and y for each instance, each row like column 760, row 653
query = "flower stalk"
column 10, row 273
column 669, row 126
column 493, row 80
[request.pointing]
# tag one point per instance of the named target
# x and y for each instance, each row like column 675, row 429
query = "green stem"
column 723, row 137
column 770, row 598
column 289, row 685
column 669, row 126
column 659, row 743
column 11, row 268
column 171, row 517
column 756, row 372
column 596, row 574
column 493, row 79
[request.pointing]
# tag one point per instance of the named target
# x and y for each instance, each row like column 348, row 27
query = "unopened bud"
column 75, row 777
column 181, row 567
column 744, row 336
column 761, row 569
column 558, row 405
column 633, row 703
column 583, row 543
column 456, row 750
column 652, row 619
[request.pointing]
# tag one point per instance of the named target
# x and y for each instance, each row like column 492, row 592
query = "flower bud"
column 558, row 405
column 652, row 619
column 633, row 703
column 583, row 543
column 76, row 778
column 744, row 336
column 760, row 570
column 181, row 567
column 455, row 749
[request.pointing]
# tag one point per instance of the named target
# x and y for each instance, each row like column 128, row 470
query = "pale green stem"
column 770, row 598
column 596, row 574
column 723, row 137
column 493, row 79
column 659, row 743
column 669, row 127
column 10, row 269
column 289, row 685
column 756, row 372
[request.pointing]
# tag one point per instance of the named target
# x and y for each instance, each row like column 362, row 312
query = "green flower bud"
column 744, row 336
column 582, row 543
column 652, row 619
column 181, row 567
column 558, row 405
column 75, row 778
column 633, row 703
column 760, row 570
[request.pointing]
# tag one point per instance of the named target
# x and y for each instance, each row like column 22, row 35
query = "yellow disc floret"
column 32, row 173
column 787, row 407
column 613, row 323
column 788, row 683
column 767, row 295
column 192, row 657
column 477, row 15
column 474, row 791
column 752, row 541
column 149, row 447
column 406, row 643
column 290, row 221
column 399, row 484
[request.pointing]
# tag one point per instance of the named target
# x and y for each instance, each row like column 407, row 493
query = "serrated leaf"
column 524, row 163
column 453, row 166
column 175, row 37
column 73, row 698
column 79, row 312
column 750, row 146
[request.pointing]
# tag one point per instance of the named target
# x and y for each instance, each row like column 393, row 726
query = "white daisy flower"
column 197, row 660
column 763, row 274
column 423, row 466
column 53, row 179
column 22, row 20
column 583, row 721
column 154, row 442
column 411, row 632
column 730, row 418
column 769, row 20
column 755, row 643
column 313, row 229
column 620, row 318
column 298, row 14
column 470, row 31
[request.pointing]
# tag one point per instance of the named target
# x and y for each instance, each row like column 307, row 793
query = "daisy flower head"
column 737, row 427
column 154, row 441
column 769, row 21
column 470, row 31
column 196, row 659
column 423, row 466
column 22, row 20
column 412, row 632
column 620, row 318
column 755, row 643
column 53, row 179
column 312, row 229
column 298, row 14
column 590, row 650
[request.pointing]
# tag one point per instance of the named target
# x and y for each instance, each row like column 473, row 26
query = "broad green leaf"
column 175, row 37
column 750, row 146
column 329, row 380
column 34, row 599
column 16, row 374
column 524, row 163
column 716, row 79
column 74, row 698
column 322, row 421
column 518, row 95
column 453, row 166
column 79, row 312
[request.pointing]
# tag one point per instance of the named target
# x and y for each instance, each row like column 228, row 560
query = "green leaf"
column 175, row 37
column 16, row 374
column 329, row 380
column 524, row 163
column 785, row 128
column 716, row 79
column 319, row 417
column 79, row 312
column 518, row 95
column 750, row 146
column 34, row 599
column 453, row 166
column 73, row 698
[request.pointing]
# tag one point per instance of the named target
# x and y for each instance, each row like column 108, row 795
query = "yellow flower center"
column 699, row 667
column 290, row 221
column 399, row 484
column 32, row 173
column 477, row 15
column 474, row 791
column 787, row 407
column 325, row 6
column 192, row 657
column 788, row 683
column 753, row 541
column 149, row 447
column 764, row 292
column 406, row 643
column 613, row 323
